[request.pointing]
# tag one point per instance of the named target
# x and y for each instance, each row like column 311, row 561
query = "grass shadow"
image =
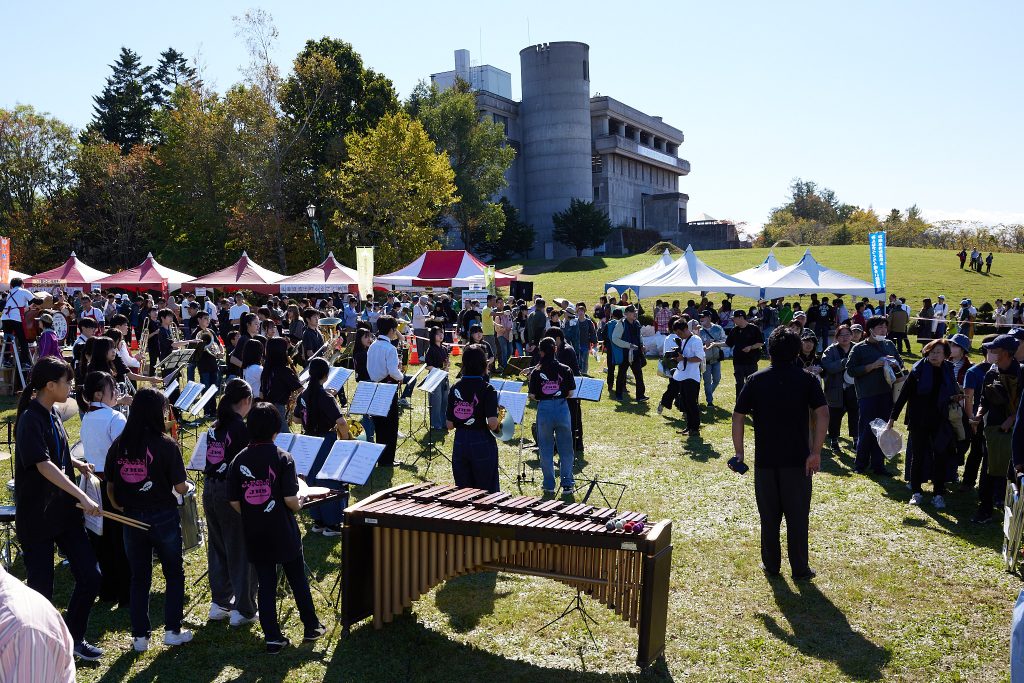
column 700, row 450
column 466, row 599
column 821, row 630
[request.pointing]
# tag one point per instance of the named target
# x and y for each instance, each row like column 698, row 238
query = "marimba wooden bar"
column 401, row 542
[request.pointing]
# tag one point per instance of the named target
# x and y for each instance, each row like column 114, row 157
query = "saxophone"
column 292, row 400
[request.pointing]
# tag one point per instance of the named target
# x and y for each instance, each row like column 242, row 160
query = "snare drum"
column 191, row 529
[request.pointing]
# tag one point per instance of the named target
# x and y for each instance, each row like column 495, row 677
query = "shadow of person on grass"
column 465, row 599
column 698, row 449
column 820, row 630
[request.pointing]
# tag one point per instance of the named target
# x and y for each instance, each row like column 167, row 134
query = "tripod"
column 523, row 475
column 575, row 605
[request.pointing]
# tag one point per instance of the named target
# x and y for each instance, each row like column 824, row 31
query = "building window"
column 682, row 216
column 597, row 193
column 586, row 71
column 503, row 120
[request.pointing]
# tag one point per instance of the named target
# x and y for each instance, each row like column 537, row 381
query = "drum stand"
column 575, row 605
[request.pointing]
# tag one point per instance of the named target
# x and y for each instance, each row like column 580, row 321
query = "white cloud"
column 982, row 216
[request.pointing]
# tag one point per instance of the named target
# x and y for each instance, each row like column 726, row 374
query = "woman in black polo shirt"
column 46, row 497
column 320, row 415
column 566, row 355
column 551, row 383
column 363, row 339
column 263, row 489
column 232, row 579
column 437, row 357
column 473, row 413
column 278, row 381
column 143, row 469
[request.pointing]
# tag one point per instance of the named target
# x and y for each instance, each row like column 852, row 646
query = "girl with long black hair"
column 437, row 357
column 363, row 339
column 232, row 578
column 472, row 411
column 551, row 383
column 320, row 415
column 144, row 469
column 278, row 380
column 252, row 364
column 47, row 500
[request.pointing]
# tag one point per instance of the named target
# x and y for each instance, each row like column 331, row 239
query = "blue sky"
column 889, row 103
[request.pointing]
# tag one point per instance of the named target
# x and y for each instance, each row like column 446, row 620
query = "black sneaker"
column 806, row 576
column 770, row 573
column 87, row 652
column 314, row 634
column 643, row 399
column 275, row 646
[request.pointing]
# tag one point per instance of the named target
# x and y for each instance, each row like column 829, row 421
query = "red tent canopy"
column 243, row 274
column 447, row 268
column 73, row 272
column 329, row 276
column 147, row 275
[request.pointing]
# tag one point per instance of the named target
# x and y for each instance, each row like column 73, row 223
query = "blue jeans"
column 868, row 452
column 163, row 539
column 712, row 377
column 554, row 426
column 439, row 405
column 368, row 429
column 504, row 351
column 583, row 359
column 209, row 379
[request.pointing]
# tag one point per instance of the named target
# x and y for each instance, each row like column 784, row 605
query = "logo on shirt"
column 257, row 491
column 550, row 387
column 464, row 409
column 133, row 471
column 215, row 450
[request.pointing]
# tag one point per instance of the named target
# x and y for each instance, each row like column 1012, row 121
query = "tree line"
column 814, row 215
column 169, row 165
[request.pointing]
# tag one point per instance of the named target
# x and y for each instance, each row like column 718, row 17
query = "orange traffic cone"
column 456, row 349
column 414, row 356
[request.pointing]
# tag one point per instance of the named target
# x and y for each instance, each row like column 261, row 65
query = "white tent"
column 690, row 274
column 765, row 273
column 641, row 277
column 808, row 277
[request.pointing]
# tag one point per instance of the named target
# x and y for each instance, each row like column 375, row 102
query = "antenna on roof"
column 529, row 41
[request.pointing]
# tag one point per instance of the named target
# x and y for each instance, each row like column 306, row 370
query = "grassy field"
column 902, row 594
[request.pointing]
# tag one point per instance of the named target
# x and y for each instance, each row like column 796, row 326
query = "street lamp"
column 318, row 235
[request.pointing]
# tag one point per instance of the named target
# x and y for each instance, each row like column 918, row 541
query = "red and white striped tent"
column 447, row 268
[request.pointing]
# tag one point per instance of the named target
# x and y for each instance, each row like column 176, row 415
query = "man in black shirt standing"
column 779, row 399
column 746, row 343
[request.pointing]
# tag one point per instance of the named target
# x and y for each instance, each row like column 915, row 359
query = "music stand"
column 411, row 380
column 595, row 485
column 429, row 384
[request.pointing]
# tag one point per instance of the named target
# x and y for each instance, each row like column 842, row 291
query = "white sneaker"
column 939, row 502
column 916, row 499
column 218, row 613
column 238, row 620
column 180, row 638
column 140, row 644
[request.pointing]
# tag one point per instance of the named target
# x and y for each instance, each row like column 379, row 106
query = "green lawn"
column 903, row 594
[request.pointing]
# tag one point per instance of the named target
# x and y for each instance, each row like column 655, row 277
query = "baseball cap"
column 738, row 313
column 1006, row 342
column 1018, row 334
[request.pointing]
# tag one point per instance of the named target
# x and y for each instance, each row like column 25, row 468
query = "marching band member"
column 252, row 368
column 101, row 425
column 472, row 411
column 362, row 343
column 248, row 327
column 566, row 355
column 120, row 323
column 437, row 357
column 476, row 336
column 279, row 381
column 143, row 466
column 321, row 416
column 45, row 499
column 551, row 383
column 263, row 488
column 312, row 339
column 382, row 365
column 232, row 579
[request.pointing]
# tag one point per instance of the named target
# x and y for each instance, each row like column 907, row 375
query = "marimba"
column 401, row 542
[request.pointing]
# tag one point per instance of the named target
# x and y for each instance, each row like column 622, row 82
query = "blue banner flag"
column 876, row 241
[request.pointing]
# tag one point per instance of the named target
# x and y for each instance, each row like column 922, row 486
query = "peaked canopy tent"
column 690, row 274
column 326, row 278
column 146, row 276
column 242, row 274
column 809, row 277
column 443, row 268
column 72, row 272
column 765, row 273
column 641, row 277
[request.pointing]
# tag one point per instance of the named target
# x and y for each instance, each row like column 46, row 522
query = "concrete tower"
column 555, row 127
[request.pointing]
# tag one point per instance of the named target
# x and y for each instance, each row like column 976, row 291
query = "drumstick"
column 127, row 521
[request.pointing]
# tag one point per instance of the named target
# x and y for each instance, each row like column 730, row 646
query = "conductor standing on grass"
column 780, row 399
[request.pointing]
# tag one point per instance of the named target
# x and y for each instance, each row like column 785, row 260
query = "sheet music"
column 283, row 440
column 197, row 463
column 433, row 380
column 304, row 451
column 338, row 459
column 210, row 392
column 304, row 376
column 501, row 385
column 515, row 404
column 359, row 404
column 170, row 389
column 361, row 465
column 589, row 388
column 337, row 378
column 383, row 397
column 187, row 395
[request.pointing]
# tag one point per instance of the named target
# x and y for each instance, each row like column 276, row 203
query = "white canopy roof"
column 765, row 273
column 641, row 277
column 809, row 277
column 690, row 274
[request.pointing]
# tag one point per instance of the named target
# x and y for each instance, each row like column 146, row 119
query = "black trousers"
column 741, row 371
column 976, row 457
column 899, row 339
column 386, row 433
column 294, row 572
column 637, row 366
column 576, row 421
column 783, row 493
column 611, row 373
column 15, row 327
column 38, row 556
column 686, row 395
column 927, row 461
column 849, row 409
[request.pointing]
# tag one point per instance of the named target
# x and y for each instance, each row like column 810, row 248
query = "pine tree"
column 171, row 71
column 123, row 113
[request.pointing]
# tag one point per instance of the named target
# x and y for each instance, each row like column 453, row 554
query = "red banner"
column 5, row 259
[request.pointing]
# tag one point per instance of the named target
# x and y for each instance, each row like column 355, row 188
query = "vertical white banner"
column 364, row 270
